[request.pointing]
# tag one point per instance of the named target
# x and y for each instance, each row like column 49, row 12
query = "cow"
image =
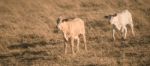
column 119, row 21
column 72, row 28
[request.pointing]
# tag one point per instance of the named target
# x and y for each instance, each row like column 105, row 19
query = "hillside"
column 28, row 37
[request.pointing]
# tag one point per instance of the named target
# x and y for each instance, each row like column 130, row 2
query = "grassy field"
column 28, row 37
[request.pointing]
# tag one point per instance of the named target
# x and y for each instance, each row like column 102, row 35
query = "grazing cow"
column 71, row 29
column 119, row 22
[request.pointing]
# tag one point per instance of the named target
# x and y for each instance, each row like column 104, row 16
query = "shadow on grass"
column 33, row 55
column 28, row 54
column 94, row 65
column 22, row 45
column 26, row 45
column 25, row 58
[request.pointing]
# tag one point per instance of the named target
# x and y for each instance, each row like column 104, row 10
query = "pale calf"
column 120, row 21
column 71, row 29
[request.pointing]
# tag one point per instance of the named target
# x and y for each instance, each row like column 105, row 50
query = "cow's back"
column 76, row 26
column 125, row 17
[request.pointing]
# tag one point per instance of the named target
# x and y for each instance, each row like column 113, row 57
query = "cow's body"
column 71, row 30
column 120, row 21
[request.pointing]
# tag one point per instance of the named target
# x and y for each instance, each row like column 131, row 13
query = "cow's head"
column 111, row 17
column 59, row 19
column 60, row 22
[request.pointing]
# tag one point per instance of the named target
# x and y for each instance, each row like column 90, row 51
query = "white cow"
column 120, row 21
column 71, row 29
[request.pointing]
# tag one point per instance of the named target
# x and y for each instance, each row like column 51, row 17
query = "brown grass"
column 28, row 37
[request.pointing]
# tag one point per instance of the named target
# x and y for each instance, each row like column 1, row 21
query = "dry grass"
column 28, row 38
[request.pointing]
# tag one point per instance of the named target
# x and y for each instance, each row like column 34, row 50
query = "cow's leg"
column 113, row 34
column 132, row 29
column 122, row 33
column 65, row 47
column 125, row 32
column 72, row 46
column 66, row 38
column 78, row 42
column 84, row 39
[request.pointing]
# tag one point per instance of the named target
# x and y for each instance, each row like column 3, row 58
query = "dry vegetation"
column 28, row 38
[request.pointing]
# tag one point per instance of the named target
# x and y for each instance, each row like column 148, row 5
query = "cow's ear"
column 114, row 15
column 65, row 20
column 107, row 17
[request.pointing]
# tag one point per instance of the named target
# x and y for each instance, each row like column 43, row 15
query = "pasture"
column 28, row 34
